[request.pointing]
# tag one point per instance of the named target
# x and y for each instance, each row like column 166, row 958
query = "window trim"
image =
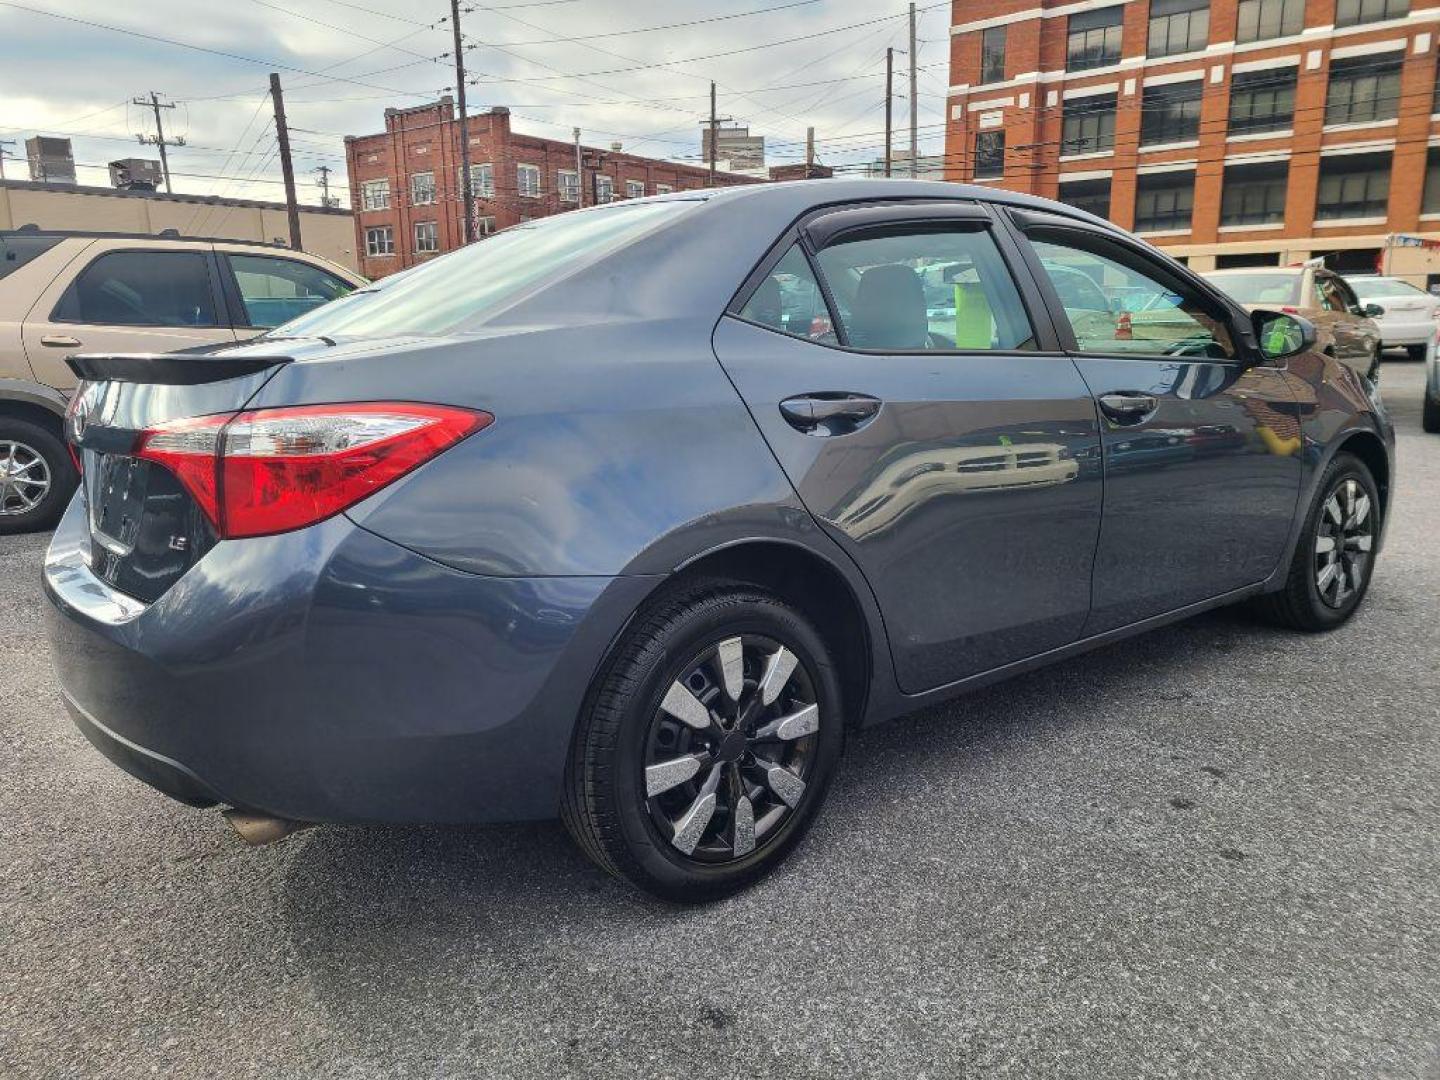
column 212, row 271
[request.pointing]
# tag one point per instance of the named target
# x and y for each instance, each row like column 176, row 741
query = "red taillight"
column 1288, row 310
column 272, row 470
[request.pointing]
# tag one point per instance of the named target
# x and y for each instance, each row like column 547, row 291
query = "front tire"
column 37, row 476
column 706, row 750
column 1417, row 352
column 1335, row 557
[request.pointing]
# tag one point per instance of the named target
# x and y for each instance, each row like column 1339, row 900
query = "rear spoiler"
column 168, row 369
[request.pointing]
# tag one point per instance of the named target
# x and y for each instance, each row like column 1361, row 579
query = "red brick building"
column 405, row 184
column 1231, row 132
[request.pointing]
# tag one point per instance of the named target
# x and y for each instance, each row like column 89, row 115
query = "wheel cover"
column 1344, row 538
column 24, row 478
column 731, row 749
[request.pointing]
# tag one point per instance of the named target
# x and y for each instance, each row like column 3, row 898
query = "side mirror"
column 1282, row 335
column 1372, row 310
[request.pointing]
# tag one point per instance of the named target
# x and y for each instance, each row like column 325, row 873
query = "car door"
column 1201, row 441
column 263, row 291
column 949, row 448
column 1352, row 333
column 126, row 297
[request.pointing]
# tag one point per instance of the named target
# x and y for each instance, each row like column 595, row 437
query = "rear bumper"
column 331, row 675
column 1409, row 332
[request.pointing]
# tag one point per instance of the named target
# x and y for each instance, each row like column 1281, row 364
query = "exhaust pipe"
column 257, row 830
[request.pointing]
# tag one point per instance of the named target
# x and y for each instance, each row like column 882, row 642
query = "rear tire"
column 634, row 803
column 1430, row 415
column 37, row 476
column 1417, row 352
column 1335, row 557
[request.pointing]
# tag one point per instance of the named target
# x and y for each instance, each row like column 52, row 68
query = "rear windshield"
column 451, row 294
column 1368, row 287
column 16, row 251
column 1260, row 287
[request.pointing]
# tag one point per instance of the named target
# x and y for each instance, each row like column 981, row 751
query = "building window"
column 1354, row 12
column 1262, row 101
column 1255, row 194
column 1431, row 202
column 663, row 189
column 1353, row 185
column 1178, row 26
column 528, row 180
column 604, row 190
column 1164, row 201
column 1171, row 113
column 634, row 189
column 422, row 189
column 1260, row 20
column 1089, row 125
column 567, row 182
column 989, row 155
column 484, row 226
column 1364, row 89
column 482, row 181
column 380, row 241
column 375, row 195
column 1092, row 196
column 992, row 55
column 427, row 237
column 1093, row 39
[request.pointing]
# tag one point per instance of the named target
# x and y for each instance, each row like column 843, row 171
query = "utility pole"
column 287, row 167
column 579, row 172
column 714, row 134
column 4, row 154
column 158, row 139
column 809, row 151
column 889, row 103
column 467, row 190
column 324, row 171
column 914, row 104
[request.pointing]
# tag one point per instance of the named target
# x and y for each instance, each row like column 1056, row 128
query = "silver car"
column 1410, row 316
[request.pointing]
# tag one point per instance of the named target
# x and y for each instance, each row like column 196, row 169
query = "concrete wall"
column 328, row 233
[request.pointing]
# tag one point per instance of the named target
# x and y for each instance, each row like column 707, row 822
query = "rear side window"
column 912, row 288
column 274, row 290
column 142, row 288
column 790, row 300
column 16, row 251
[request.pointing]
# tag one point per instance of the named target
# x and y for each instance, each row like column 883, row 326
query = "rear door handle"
column 829, row 413
column 60, row 341
column 1128, row 406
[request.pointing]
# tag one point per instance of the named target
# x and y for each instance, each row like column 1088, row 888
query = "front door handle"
column 1128, row 406
column 60, row 341
column 829, row 413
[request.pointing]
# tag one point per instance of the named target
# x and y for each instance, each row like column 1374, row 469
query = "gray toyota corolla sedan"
column 629, row 515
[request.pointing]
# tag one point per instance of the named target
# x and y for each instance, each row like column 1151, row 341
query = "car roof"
column 1229, row 270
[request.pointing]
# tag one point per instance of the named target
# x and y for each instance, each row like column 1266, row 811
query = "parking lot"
column 1211, row 851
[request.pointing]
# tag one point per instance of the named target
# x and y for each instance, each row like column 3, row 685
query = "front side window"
column 380, row 241
column 989, row 155
column 992, row 54
column 1262, row 101
column 1092, row 196
column 1353, row 185
column 427, row 237
column 790, row 300
column 422, row 188
column 1089, row 125
column 1178, row 26
column 1355, row 12
column 1364, row 89
column 1255, row 194
column 1164, row 202
column 375, row 195
column 568, row 184
column 142, row 288
column 275, row 290
column 1171, row 113
column 1093, row 39
column 909, row 291
column 1117, row 304
column 528, row 180
column 1261, row 20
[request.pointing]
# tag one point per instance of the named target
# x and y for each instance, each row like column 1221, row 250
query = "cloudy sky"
column 70, row 67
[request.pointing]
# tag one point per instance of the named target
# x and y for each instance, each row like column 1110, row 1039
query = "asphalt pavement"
column 1208, row 852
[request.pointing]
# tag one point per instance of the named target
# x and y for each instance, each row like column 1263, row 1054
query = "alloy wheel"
column 24, row 478
column 730, row 749
column 1343, row 541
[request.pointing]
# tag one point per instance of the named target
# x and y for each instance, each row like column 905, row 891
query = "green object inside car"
column 973, row 319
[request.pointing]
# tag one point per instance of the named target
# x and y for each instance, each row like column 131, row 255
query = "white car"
column 1410, row 313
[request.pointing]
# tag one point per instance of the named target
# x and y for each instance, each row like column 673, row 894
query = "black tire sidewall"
column 63, row 477
column 1343, row 467
column 666, row 871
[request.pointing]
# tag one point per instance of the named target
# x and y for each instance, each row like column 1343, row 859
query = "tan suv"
column 68, row 292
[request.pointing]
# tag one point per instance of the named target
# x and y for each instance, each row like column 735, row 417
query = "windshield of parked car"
column 1260, row 287
column 1365, row 288
column 450, row 294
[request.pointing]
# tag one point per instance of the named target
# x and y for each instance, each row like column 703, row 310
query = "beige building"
column 327, row 232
